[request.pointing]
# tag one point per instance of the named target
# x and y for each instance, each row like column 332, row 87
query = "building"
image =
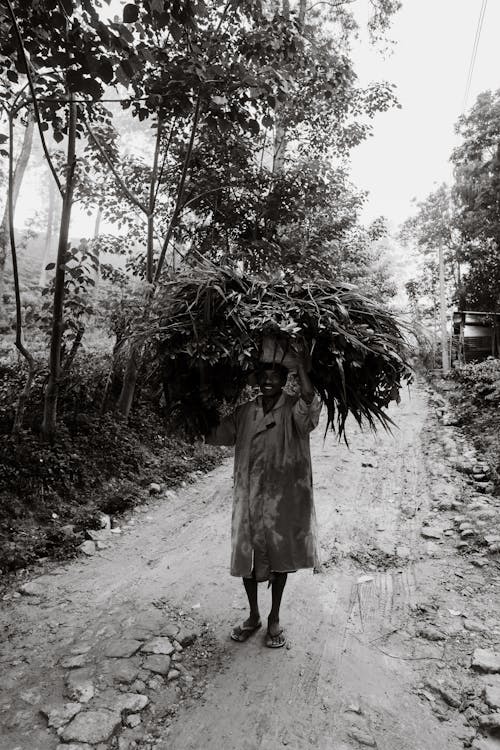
column 476, row 335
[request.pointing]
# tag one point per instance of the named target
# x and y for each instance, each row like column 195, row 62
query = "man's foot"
column 275, row 637
column 241, row 632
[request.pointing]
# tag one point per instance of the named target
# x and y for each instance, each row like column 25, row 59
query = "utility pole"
column 442, row 305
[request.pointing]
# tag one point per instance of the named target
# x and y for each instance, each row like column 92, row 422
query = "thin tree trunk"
column 130, row 376
column 23, row 396
column 442, row 307
column 52, row 390
column 280, row 139
column 129, row 380
column 49, row 233
column 17, row 179
column 152, row 201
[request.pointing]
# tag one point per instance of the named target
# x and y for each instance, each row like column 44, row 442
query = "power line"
column 475, row 48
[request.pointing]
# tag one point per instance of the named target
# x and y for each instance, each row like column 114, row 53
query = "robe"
column 273, row 526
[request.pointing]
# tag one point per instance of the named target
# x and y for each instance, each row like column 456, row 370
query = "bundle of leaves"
column 211, row 323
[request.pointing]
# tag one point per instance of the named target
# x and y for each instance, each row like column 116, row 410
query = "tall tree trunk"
column 280, row 140
column 23, row 396
column 131, row 371
column 52, row 389
column 17, row 179
column 151, row 204
column 95, row 247
column 49, row 232
column 129, row 380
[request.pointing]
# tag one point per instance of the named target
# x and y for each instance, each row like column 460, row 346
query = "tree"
column 477, row 197
column 61, row 52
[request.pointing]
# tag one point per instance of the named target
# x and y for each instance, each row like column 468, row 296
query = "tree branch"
column 180, row 189
column 33, row 94
column 117, row 177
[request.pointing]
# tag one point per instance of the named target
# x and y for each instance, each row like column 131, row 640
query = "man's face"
column 270, row 382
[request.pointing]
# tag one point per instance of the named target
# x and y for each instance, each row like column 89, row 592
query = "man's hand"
column 300, row 350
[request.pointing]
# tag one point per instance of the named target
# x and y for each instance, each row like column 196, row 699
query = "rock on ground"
column 92, row 726
column 486, row 660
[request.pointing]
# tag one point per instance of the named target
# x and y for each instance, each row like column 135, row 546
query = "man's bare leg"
column 251, row 585
column 273, row 621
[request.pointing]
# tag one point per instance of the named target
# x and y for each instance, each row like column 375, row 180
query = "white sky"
column 410, row 148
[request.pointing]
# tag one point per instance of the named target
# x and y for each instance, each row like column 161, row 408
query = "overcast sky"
column 410, row 148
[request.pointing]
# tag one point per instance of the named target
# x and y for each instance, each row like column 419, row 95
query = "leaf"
column 50, row 266
column 130, row 13
column 12, row 76
column 105, row 71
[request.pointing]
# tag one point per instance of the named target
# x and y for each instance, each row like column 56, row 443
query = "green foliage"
column 211, row 322
column 477, row 197
column 97, row 463
column 481, row 380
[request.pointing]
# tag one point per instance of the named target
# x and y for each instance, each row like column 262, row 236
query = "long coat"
column 273, row 519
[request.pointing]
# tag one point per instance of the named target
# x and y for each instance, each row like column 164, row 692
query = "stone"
column 474, row 626
column 486, row 743
column 492, row 539
column 431, row 633
column 122, row 703
column 101, row 545
column 431, row 532
column 33, row 588
column 58, row 717
column 173, row 674
column 81, row 648
column 88, row 548
column 122, row 671
column 122, row 648
column 186, row 636
column 74, row 661
column 80, row 685
column 169, row 629
column 486, row 660
column 132, row 720
column 155, row 683
column 486, row 487
column 98, row 535
column 492, row 696
column 159, row 645
column 104, row 521
column 466, row 533
column 154, row 488
column 491, row 721
column 449, row 693
column 93, row 726
column 75, row 746
column 157, row 663
column 361, row 736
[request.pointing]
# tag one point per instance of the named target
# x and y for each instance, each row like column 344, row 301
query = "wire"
column 475, row 47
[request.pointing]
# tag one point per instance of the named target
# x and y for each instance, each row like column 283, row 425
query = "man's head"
column 271, row 378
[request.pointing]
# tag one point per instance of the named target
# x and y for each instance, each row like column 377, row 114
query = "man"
column 273, row 520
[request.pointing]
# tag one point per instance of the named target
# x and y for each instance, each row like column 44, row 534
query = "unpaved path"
column 349, row 676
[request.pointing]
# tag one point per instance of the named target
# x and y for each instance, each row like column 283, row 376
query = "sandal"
column 275, row 641
column 241, row 632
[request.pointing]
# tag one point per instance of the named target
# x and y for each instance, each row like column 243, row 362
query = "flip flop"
column 241, row 632
column 275, row 641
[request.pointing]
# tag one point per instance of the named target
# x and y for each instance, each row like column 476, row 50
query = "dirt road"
column 355, row 669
